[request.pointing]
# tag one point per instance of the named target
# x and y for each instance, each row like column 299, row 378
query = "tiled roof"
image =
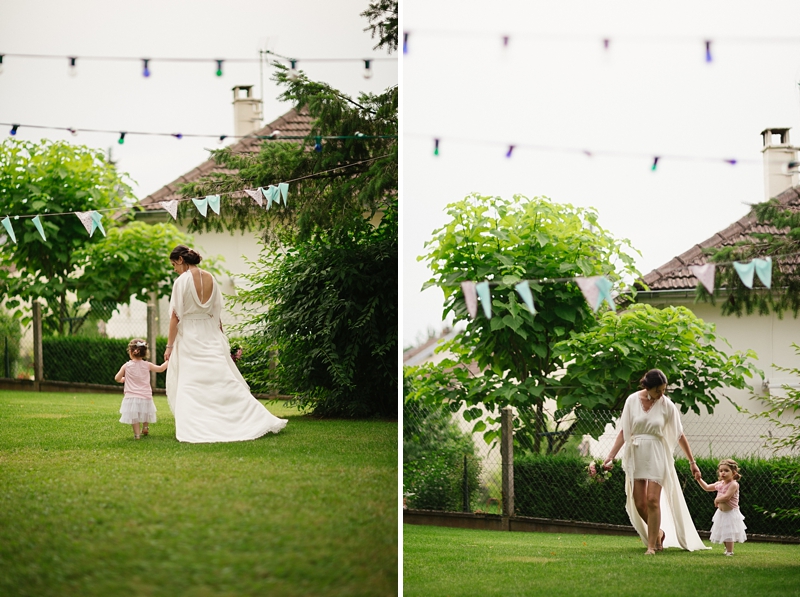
column 294, row 123
column 675, row 274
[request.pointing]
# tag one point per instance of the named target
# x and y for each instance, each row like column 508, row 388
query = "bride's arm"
column 173, row 333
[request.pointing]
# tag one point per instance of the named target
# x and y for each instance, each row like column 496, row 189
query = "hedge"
column 558, row 487
column 91, row 360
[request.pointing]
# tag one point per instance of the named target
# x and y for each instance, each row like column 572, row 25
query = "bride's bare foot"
column 650, row 552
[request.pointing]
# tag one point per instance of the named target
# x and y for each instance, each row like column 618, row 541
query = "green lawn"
column 86, row 510
column 448, row 562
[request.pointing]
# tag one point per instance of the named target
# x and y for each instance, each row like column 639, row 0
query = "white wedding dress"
column 210, row 399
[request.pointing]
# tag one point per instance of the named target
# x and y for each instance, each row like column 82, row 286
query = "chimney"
column 246, row 111
column 780, row 162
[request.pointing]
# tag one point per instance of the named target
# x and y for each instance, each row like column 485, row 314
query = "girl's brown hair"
column 653, row 379
column 733, row 465
column 137, row 348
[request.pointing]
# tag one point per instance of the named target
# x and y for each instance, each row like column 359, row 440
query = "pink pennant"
column 470, row 297
column 171, row 207
column 705, row 274
column 590, row 290
column 256, row 195
column 86, row 219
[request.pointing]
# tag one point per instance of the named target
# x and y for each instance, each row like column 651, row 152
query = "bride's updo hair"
column 653, row 379
column 189, row 256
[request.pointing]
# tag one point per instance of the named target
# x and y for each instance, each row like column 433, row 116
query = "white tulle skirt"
column 728, row 526
column 137, row 410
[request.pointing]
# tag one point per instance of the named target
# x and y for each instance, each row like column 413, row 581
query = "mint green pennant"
column 486, row 298
column 524, row 290
column 764, row 270
column 745, row 271
column 38, row 225
column 202, row 206
column 213, row 203
column 97, row 222
column 284, row 189
column 604, row 287
column 7, row 226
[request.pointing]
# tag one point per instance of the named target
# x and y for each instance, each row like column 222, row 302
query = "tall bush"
column 10, row 335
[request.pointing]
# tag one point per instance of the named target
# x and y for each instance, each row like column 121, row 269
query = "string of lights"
column 274, row 136
column 510, row 148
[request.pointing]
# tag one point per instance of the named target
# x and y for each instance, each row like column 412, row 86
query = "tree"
column 563, row 352
column 783, row 246
column 51, row 178
column 331, row 317
column 382, row 17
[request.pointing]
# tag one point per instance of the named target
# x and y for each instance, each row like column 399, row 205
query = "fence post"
column 465, row 487
column 152, row 332
column 38, row 365
column 507, row 456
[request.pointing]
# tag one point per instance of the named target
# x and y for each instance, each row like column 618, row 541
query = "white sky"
column 177, row 97
column 651, row 93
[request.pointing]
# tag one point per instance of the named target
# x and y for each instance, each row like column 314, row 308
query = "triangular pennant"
column 38, row 225
column 470, row 297
column 745, row 271
column 213, row 203
column 9, row 229
column 97, row 222
column 764, row 270
column 283, row 187
column 524, row 290
column 264, row 193
column 273, row 195
column 483, row 291
column 705, row 274
column 604, row 286
column 171, row 207
column 86, row 219
column 202, row 206
column 590, row 291
column 256, row 196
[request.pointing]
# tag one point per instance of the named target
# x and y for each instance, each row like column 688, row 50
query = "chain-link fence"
column 452, row 462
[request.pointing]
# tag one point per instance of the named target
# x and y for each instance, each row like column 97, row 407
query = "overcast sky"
column 652, row 92
column 177, row 97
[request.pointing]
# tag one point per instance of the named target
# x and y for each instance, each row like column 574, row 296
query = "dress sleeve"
column 673, row 429
column 176, row 300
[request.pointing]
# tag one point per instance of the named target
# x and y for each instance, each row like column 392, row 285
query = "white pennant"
column 86, row 219
column 590, row 291
column 256, row 196
column 171, row 207
column 470, row 297
column 705, row 274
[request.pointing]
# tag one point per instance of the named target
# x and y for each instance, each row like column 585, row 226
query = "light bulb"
column 222, row 138
column 72, row 71
column 293, row 74
column 14, row 128
column 219, row 68
column 367, row 69
column 145, row 67
column 1, row 63
column 73, row 131
column 121, row 138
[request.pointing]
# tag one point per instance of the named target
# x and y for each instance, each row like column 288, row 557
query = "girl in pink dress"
column 137, row 404
column 728, row 523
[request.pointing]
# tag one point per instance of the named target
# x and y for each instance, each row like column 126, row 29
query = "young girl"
column 137, row 404
column 728, row 520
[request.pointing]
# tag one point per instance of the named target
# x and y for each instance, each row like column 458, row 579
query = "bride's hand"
column 608, row 464
column 167, row 353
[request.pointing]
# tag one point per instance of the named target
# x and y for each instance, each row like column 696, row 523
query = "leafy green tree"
column 564, row 352
column 130, row 262
column 331, row 316
column 784, row 294
column 382, row 17
column 51, row 177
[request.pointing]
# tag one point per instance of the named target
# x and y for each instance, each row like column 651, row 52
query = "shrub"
column 10, row 335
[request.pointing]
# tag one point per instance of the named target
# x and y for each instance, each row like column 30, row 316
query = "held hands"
column 167, row 353
column 696, row 471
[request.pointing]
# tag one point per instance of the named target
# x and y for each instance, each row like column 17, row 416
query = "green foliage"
column 611, row 357
column 10, row 336
column 92, row 360
column 382, row 17
column 130, row 262
column 784, row 294
column 506, row 241
column 48, row 178
column 320, row 199
column 331, row 316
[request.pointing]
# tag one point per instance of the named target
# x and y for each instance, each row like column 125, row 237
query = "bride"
column 208, row 396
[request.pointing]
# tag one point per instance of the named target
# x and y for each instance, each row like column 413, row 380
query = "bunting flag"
column 483, row 291
column 764, row 270
column 86, row 219
column 256, row 196
column 213, row 203
column 171, row 207
column 524, row 291
column 470, row 297
column 595, row 289
column 97, row 222
column 202, row 206
column 705, row 274
column 38, row 225
column 273, row 195
column 283, row 187
column 745, row 271
column 9, row 229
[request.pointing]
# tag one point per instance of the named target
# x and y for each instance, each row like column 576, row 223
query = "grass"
column 86, row 510
column 449, row 562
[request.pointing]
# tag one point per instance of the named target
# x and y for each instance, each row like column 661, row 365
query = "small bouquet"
column 598, row 474
column 236, row 353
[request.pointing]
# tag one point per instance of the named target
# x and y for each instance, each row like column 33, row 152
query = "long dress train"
column 210, row 399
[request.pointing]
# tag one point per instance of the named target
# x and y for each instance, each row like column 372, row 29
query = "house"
column 131, row 319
